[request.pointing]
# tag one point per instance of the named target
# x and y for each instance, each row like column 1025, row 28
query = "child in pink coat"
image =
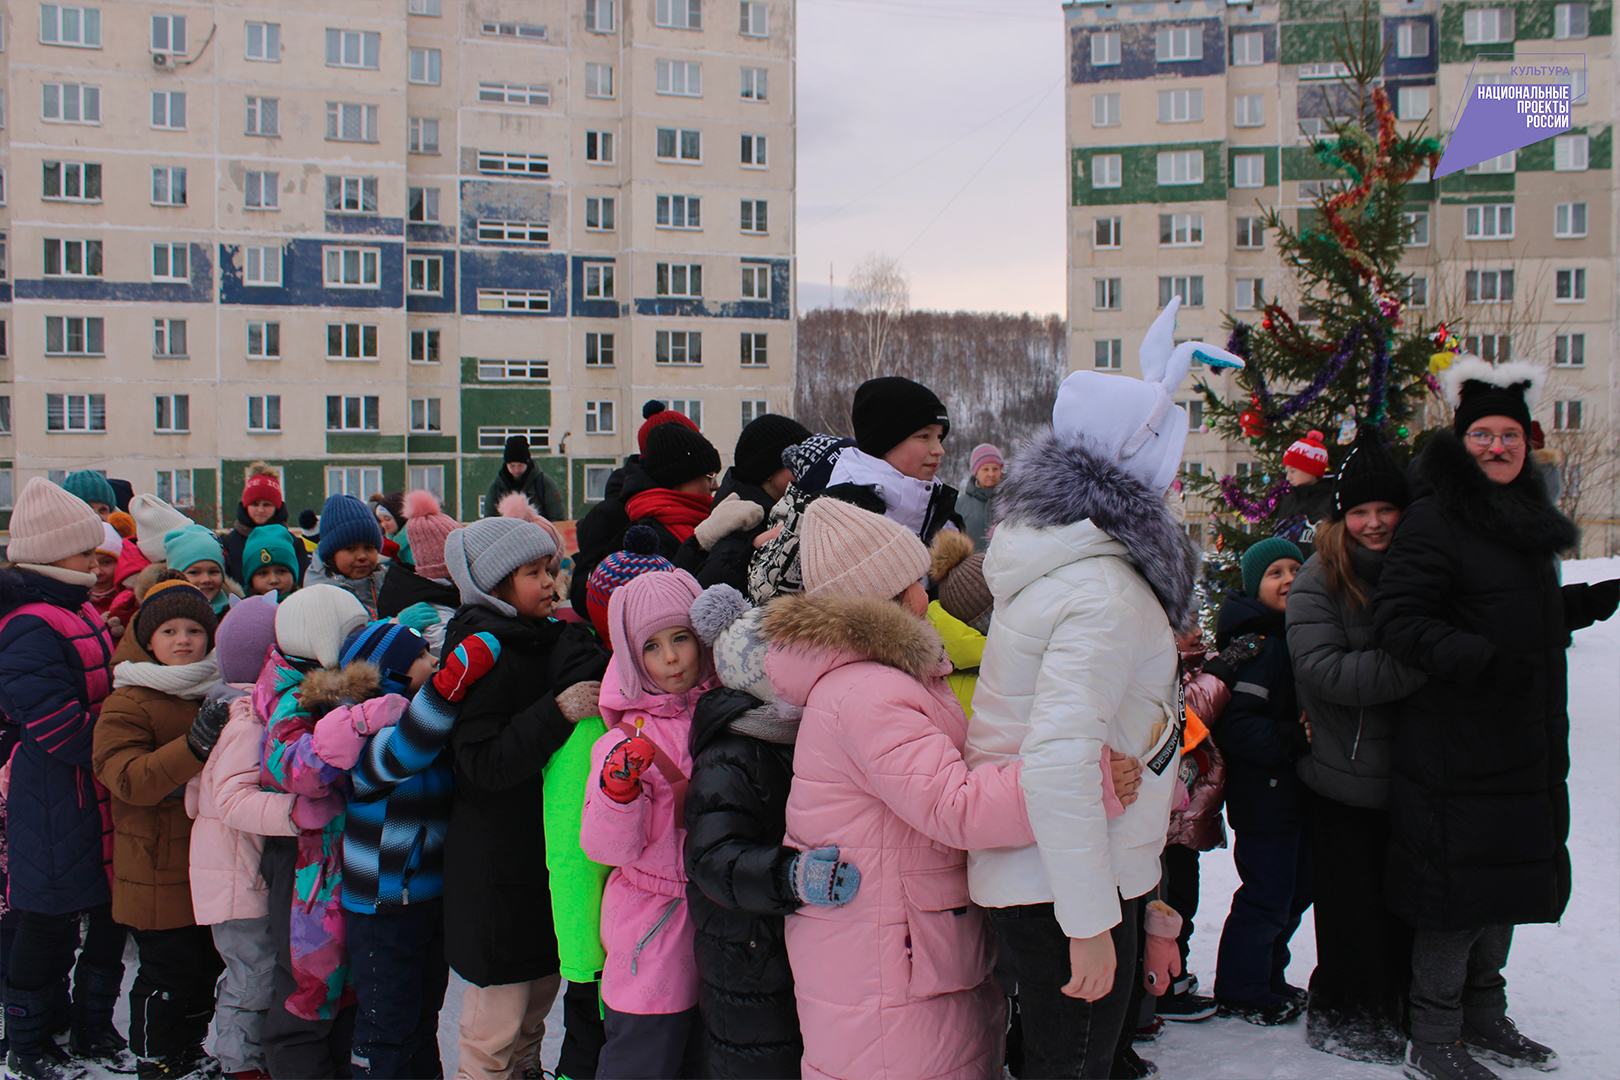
column 634, row 820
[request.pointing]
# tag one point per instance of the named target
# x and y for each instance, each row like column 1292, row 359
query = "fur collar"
column 326, row 689
column 879, row 630
column 1518, row 514
column 1058, row 483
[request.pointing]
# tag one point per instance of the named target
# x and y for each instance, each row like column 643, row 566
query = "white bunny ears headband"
column 1164, row 365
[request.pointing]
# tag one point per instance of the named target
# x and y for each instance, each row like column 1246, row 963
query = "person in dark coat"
column 1479, row 803
column 1350, row 691
column 738, row 887
column 720, row 547
column 261, row 504
column 520, row 473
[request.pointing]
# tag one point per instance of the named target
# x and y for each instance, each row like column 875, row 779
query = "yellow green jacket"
column 964, row 647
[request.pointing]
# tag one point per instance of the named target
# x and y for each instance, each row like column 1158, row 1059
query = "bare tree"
column 881, row 292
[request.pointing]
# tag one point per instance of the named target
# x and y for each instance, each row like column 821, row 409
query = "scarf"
column 678, row 511
column 58, row 573
column 189, row 681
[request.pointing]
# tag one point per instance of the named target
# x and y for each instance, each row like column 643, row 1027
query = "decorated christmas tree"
column 1352, row 353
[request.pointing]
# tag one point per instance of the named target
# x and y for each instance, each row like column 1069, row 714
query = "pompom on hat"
column 656, row 418
column 1477, row 389
column 123, row 523
column 427, row 527
column 728, row 624
column 959, row 572
column 515, row 504
column 847, row 551
column 640, row 556
column 1307, row 455
column 49, row 523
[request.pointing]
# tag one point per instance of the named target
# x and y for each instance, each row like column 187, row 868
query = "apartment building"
column 1187, row 119
column 368, row 241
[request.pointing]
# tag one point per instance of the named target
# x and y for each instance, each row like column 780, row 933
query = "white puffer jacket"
column 1080, row 653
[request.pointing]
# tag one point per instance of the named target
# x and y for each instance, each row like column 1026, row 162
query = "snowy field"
column 1563, row 980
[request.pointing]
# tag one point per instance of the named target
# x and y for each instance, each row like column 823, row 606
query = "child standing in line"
column 195, row 552
column 107, row 595
column 417, row 589
column 900, row 430
column 350, row 552
column 635, row 820
column 270, row 561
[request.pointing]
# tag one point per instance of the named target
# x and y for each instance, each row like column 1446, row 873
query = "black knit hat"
column 760, row 446
column 517, row 449
column 1478, row 389
column 890, row 410
column 676, row 454
column 1369, row 474
column 173, row 597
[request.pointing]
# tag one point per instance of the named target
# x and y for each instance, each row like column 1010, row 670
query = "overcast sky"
column 900, row 104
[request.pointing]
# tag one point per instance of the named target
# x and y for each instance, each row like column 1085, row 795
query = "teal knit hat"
column 1260, row 556
column 268, row 545
column 92, row 487
column 184, row 548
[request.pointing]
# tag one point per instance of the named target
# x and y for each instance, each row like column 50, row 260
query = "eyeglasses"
column 1482, row 438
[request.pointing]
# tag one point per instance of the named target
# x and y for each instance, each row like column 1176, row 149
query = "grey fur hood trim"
column 1051, row 484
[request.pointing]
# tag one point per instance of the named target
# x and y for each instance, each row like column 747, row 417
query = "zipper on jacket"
column 635, row 954
column 412, row 864
column 1361, row 719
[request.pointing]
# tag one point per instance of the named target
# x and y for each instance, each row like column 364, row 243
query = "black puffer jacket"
column 601, row 531
column 1259, row 732
column 738, row 892
column 402, row 586
column 1479, row 804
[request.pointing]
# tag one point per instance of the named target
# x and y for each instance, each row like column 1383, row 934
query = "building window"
column 70, row 335
column 1190, row 289
column 1501, row 163
column 264, row 340
column 1571, row 21
column 494, row 438
column 264, row 414
column 532, row 300
column 352, row 194
column 1178, row 43
column 1195, row 419
column 264, row 42
column 424, row 346
column 1569, row 350
column 426, row 478
column 351, row 341
column 598, row 214
column 513, row 232
column 61, row 24
column 1566, row 416
column 1417, row 291
column 513, row 164
column 1248, row 110
column 424, row 275
column 756, row 282
column 502, row 93
column 1493, row 221
column 1569, row 220
column 753, row 409
column 5, row 429
column 755, row 84
column 169, row 339
column 754, row 350
column 362, row 482
column 599, row 281
column 1488, row 286
column 73, row 258
column 679, row 279
column 1412, row 102
column 424, row 135
column 598, row 80
column 425, row 415
column 424, row 66
column 350, row 122
column 262, row 190
column 174, row 486
column 599, row 418
column 1571, row 153
column 424, row 204
column 173, row 414
column 1106, row 170
column 423, row 7
column 72, row 103
column 753, row 217
column 521, row 31
column 679, row 14
column 754, row 149
column 691, row 408
column 352, row 48
column 753, row 19
column 514, row 370
column 598, row 350
column 263, row 116
column 1487, row 26
column 596, row 482
column 75, row 412
column 680, row 212
column 1105, row 232
column 169, row 109
column 1104, row 48
column 1325, row 69
column 1412, row 40
column 352, row 268
column 262, row 265
column 1417, row 228
column 1251, row 233
column 1250, row 293
column 1180, row 106
column 1248, row 50
column 678, row 347
column 599, row 147
column 72, row 181
column 1181, row 167
column 171, row 262
column 1569, row 284
column 683, row 78
column 674, row 144
column 1106, row 294
column 1108, row 354
column 599, row 16
column 1104, row 110
column 1181, row 230
column 357, row 413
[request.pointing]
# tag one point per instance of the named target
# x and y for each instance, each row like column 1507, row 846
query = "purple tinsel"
column 1377, row 376
column 1247, row 508
column 1329, row 371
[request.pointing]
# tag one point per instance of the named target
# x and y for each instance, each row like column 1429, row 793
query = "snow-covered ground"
column 1563, row 980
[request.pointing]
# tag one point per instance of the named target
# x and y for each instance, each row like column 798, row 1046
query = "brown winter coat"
column 140, row 754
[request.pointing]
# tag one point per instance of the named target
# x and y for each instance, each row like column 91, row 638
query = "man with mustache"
column 1479, row 804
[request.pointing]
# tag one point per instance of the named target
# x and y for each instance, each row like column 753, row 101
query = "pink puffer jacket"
column 897, row 982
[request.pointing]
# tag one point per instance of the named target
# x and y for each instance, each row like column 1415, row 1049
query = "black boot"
column 94, row 1039
column 33, row 1055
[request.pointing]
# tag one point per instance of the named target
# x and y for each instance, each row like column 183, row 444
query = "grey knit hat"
column 726, row 623
column 481, row 555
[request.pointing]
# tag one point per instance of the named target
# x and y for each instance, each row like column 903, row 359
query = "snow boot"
column 191, row 1065
column 33, row 1054
column 1133, row 1066
column 1186, row 1007
column 1442, row 1061
column 94, row 1038
column 1148, row 1031
column 1281, row 1012
column 1499, row 1040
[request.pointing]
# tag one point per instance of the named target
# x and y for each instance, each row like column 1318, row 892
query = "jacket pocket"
column 947, row 941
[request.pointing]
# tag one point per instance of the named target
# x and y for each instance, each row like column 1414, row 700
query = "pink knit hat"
column 50, row 523
column 847, row 551
column 641, row 608
column 983, row 454
column 426, row 526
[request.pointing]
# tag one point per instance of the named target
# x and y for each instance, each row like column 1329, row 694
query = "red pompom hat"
column 1308, row 455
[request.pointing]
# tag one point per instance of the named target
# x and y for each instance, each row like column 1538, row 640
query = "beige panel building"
column 369, row 241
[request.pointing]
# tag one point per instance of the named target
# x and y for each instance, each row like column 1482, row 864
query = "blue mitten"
column 419, row 616
column 819, row 878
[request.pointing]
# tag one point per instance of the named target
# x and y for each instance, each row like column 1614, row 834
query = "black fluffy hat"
column 888, row 411
column 1478, row 388
column 760, row 446
column 1369, row 474
column 517, row 449
column 676, row 454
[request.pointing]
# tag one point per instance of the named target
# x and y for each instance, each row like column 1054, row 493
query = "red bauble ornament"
column 1252, row 422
